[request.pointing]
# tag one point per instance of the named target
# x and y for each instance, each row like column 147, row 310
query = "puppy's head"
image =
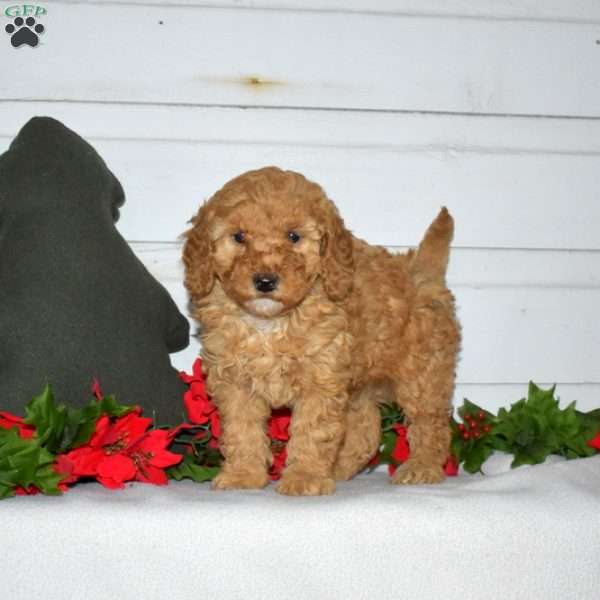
column 266, row 237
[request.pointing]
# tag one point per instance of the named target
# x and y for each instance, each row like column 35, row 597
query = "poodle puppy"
column 296, row 312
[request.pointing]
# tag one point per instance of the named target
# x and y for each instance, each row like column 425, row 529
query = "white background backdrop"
column 395, row 107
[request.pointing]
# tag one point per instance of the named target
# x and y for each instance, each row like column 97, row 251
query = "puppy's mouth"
column 265, row 308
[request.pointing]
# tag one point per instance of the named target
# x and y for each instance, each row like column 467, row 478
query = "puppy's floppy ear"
column 197, row 256
column 337, row 263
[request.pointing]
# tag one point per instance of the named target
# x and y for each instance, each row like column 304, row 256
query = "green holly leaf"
column 468, row 408
column 8, row 477
column 541, row 400
column 47, row 480
column 189, row 469
column 109, row 406
column 390, row 415
column 80, row 423
column 524, row 434
column 476, row 455
column 577, row 448
column 79, row 426
column 47, row 418
column 60, row 428
column 536, row 426
column 590, row 422
column 532, row 454
column 25, row 462
column 473, row 444
column 457, row 447
column 388, row 443
column 591, row 419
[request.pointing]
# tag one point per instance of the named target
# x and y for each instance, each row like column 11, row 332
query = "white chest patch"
column 263, row 308
column 262, row 325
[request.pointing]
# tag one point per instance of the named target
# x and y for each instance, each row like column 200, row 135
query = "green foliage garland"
column 31, row 448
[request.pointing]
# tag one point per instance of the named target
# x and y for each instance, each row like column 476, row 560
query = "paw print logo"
column 24, row 32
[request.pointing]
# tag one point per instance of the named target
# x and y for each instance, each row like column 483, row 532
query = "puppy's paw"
column 296, row 485
column 415, row 472
column 232, row 480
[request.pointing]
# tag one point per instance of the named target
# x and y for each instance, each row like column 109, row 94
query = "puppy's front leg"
column 244, row 442
column 317, row 430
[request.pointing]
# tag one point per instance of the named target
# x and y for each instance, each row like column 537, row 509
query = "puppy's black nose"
column 266, row 282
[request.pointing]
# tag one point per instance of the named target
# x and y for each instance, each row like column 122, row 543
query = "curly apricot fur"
column 348, row 326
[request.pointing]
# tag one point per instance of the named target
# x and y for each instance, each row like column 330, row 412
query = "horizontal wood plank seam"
column 339, row 11
column 391, row 111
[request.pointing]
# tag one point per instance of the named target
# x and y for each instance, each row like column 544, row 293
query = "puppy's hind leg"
column 423, row 387
column 363, row 432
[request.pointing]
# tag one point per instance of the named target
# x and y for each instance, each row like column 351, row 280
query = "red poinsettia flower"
column 278, row 431
column 278, row 464
column 215, row 424
column 595, row 442
column 122, row 451
column 198, row 405
column 279, row 424
column 375, row 460
column 8, row 421
column 66, row 468
column 401, row 451
column 96, row 389
column 30, row 490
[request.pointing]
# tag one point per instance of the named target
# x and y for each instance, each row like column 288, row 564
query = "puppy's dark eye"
column 239, row 237
column 293, row 237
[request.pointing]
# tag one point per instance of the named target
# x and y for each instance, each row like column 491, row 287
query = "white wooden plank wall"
column 396, row 107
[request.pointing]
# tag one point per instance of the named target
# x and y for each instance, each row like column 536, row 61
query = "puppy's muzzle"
column 266, row 282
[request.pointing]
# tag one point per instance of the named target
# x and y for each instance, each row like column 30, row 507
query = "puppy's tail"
column 430, row 260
